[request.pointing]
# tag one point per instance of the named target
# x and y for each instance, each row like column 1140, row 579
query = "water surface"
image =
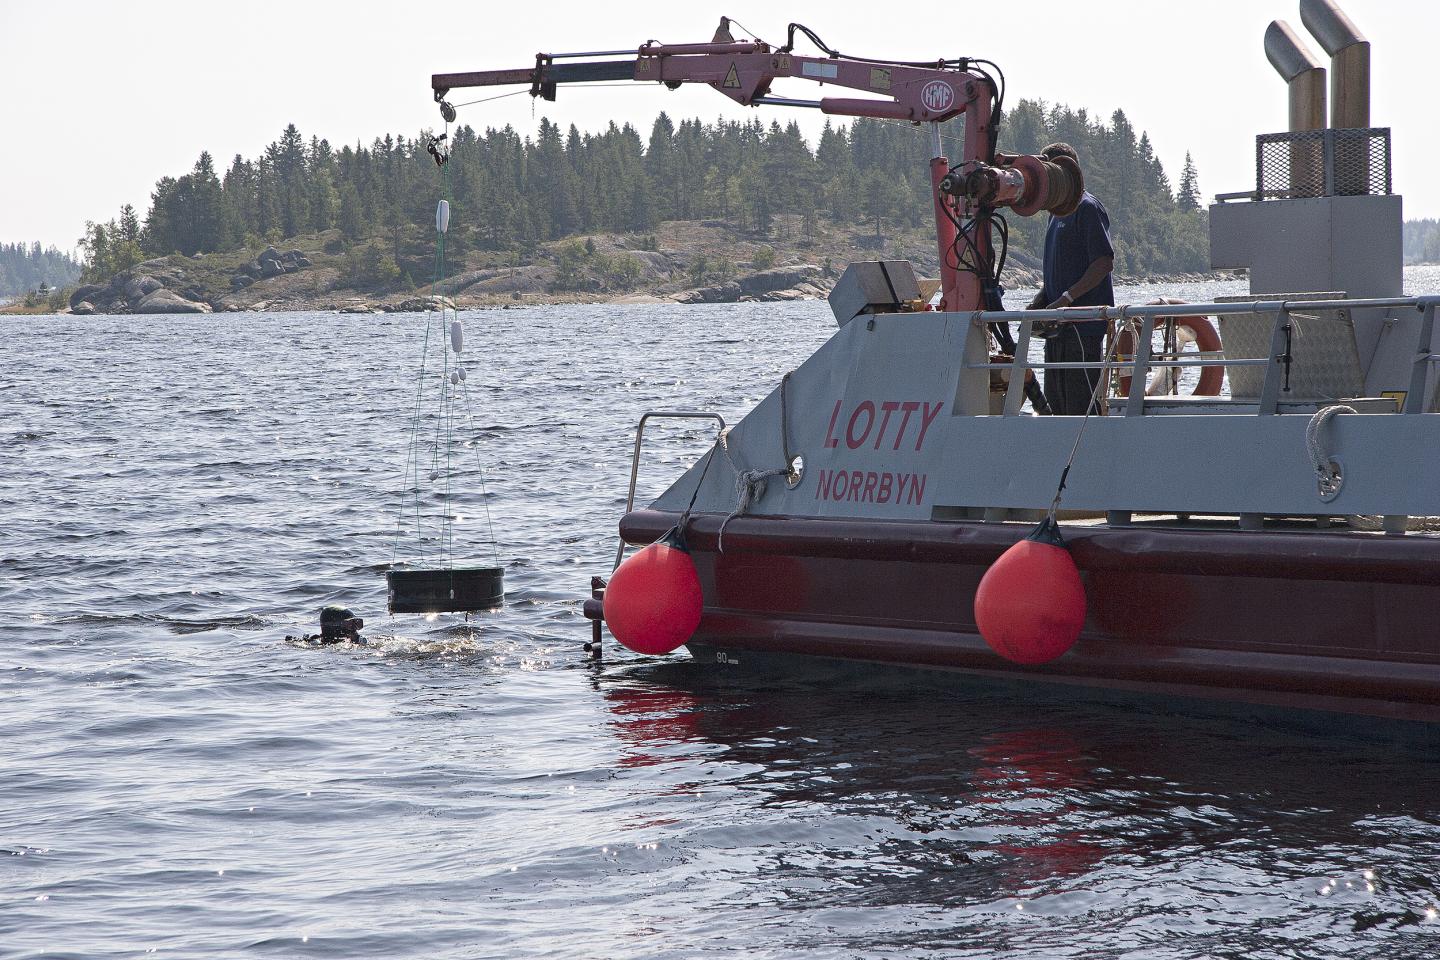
column 179, row 493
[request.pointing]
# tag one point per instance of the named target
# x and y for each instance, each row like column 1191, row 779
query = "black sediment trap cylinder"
column 459, row 589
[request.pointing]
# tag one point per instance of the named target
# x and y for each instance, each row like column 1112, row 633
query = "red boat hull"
column 1339, row 621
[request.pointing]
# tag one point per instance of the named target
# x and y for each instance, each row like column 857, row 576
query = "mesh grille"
column 1323, row 163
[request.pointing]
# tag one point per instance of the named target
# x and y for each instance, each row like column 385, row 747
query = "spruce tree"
column 1189, row 196
column 352, row 217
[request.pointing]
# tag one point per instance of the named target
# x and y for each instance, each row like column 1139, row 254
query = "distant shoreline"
column 418, row 301
column 684, row 261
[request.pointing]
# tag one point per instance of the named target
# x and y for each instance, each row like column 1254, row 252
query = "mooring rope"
column 480, row 469
column 1328, row 475
column 447, row 523
column 749, row 487
column 441, row 462
column 750, row 484
column 412, row 458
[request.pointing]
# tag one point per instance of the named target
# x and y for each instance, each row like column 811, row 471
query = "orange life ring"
column 1207, row 339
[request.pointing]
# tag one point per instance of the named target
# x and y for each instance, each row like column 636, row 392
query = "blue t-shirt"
column 1073, row 243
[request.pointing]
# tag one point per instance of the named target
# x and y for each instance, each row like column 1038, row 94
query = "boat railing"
column 635, row 454
column 1144, row 360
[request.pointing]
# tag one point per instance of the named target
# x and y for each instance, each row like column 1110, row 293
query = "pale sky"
column 101, row 99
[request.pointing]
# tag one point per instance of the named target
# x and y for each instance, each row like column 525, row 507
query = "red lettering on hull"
column 870, row 421
column 927, row 418
column 830, row 439
column 867, row 408
column 870, row 486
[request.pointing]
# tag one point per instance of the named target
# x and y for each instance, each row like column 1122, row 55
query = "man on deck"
column 1078, row 260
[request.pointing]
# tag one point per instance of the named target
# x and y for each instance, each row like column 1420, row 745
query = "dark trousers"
column 1069, row 391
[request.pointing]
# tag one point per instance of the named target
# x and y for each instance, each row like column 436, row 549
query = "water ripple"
column 183, row 493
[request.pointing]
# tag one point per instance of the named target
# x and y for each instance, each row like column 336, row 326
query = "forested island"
column 691, row 211
column 1422, row 241
column 36, row 274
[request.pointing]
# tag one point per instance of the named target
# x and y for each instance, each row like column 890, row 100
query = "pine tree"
column 1189, row 196
column 125, row 241
column 129, row 224
column 162, row 233
column 287, row 159
column 352, row 217
column 239, row 191
column 95, row 252
column 207, row 226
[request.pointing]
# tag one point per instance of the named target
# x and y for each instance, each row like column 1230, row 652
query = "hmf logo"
column 938, row 96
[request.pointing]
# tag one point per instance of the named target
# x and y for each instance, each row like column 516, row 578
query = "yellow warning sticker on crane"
column 732, row 78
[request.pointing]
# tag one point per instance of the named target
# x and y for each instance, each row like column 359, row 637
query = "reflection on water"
column 965, row 817
column 180, row 494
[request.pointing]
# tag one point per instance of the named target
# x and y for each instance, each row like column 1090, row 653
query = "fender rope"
column 1101, row 384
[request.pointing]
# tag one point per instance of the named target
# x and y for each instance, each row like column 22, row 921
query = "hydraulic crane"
column 966, row 195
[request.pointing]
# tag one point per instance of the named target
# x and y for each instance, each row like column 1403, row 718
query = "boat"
column 1271, row 545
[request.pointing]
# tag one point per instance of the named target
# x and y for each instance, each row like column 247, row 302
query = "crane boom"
column 744, row 71
column 930, row 93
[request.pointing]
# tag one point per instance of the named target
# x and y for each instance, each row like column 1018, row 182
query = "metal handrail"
column 1141, row 311
column 1125, row 364
column 635, row 455
column 1141, row 362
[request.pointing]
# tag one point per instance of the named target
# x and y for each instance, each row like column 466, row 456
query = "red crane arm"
column 919, row 93
column 744, row 71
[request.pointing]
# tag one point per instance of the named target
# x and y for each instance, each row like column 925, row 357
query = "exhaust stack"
column 1349, row 62
column 1303, row 71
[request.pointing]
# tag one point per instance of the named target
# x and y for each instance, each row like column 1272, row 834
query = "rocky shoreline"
column 150, row 289
column 314, row 277
column 160, row 287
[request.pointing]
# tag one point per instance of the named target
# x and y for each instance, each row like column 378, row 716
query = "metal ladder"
column 594, row 608
column 635, row 455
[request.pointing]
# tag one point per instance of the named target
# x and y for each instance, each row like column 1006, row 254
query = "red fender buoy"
column 653, row 601
column 1030, row 605
column 1207, row 339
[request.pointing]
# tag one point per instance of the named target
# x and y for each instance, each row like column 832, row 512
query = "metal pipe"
column 1120, row 364
column 1349, row 62
column 784, row 102
column 1303, row 71
column 854, row 107
column 982, row 318
column 676, row 49
column 590, row 53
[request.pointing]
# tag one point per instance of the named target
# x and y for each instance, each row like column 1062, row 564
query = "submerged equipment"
column 441, row 427
column 453, row 589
